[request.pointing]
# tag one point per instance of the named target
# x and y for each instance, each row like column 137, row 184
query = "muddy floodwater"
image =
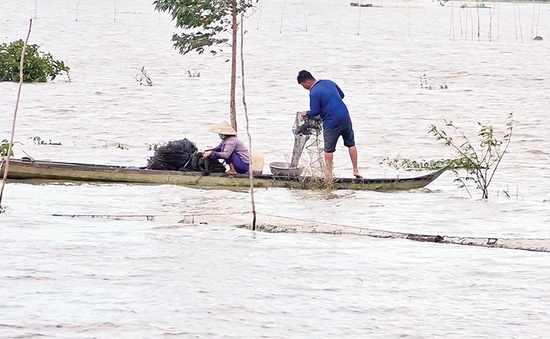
column 403, row 67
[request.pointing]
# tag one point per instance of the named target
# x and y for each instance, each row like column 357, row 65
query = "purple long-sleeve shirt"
column 228, row 146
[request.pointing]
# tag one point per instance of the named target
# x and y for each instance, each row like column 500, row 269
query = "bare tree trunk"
column 233, row 109
column 21, row 65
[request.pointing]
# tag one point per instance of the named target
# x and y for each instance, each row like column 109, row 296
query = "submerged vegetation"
column 38, row 66
column 480, row 163
column 5, row 148
column 428, row 83
column 39, row 141
column 143, row 78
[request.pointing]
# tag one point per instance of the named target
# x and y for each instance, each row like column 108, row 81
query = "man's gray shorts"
column 331, row 136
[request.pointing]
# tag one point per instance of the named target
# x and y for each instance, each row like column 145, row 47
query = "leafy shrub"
column 4, row 147
column 481, row 162
column 38, row 66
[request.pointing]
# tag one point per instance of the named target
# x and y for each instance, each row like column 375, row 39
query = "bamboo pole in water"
column 478, row 24
column 520, row 27
column 359, row 23
column 409, row 16
column 451, row 25
column 537, row 27
column 77, row 7
column 460, row 19
column 498, row 20
column 250, row 170
column 472, row 25
column 259, row 16
column 282, row 16
column 533, row 20
column 21, row 65
column 305, row 16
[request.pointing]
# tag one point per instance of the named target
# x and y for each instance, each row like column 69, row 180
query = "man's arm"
column 314, row 105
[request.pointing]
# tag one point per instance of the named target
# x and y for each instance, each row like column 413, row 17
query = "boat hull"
column 77, row 172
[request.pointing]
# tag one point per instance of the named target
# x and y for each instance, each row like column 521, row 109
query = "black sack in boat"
column 174, row 156
column 207, row 165
column 182, row 155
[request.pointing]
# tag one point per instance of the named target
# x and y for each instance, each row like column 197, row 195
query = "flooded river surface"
column 67, row 277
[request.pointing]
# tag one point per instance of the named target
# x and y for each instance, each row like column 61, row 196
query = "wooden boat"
column 48, row 171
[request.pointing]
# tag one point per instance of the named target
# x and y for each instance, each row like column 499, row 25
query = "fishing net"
column 308, row 135
column 183, row 155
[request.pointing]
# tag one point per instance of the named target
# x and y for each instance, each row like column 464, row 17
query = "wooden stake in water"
column 250, row 171
column 259, row 16
column 498, row 20
column 537, row 27
column 114, row 20
column 21, row 65
column 77, row 7
column 282, row 16
column 409, row 16
column 472, row 25
column 359, row 23
column 460, row 19
column 478, row 25
column 35, row 8
column 533, row 21
column 520, row 27
column 305, row 16
column 451, row 28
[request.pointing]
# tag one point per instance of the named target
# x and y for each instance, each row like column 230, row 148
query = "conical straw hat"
column 223, row 128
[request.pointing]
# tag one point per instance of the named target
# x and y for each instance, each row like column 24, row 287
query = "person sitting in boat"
column 231, row 149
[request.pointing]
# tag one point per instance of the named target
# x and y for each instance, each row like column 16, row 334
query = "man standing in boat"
column 325, row 99
column 231, row 149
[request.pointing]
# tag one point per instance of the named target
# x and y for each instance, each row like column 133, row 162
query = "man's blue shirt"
column 325, row 99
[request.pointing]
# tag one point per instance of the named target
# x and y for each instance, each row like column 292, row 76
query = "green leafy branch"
column 203, row 22
column 4, row 148
column 480, row 164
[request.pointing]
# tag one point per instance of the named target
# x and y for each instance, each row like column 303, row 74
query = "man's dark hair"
column 304, row 75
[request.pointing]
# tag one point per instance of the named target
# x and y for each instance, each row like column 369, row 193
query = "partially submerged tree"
column 480, row 163
column 205, row 24
column 38, row 66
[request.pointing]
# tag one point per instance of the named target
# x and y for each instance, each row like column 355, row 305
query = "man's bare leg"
column 328, row 164
column 231, row 169
column 353, row 156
